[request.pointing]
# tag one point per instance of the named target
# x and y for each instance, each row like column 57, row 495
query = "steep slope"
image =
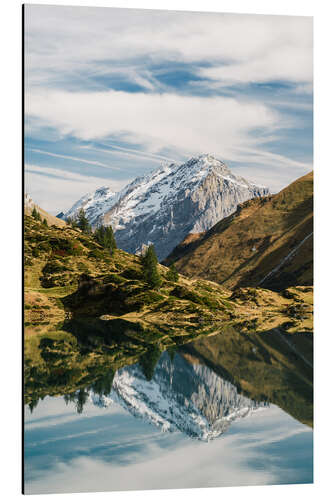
column 268, row 242
column 94, row 204
column 29, row 205
column 264, row 367
column 67, row 273
column 166, row 205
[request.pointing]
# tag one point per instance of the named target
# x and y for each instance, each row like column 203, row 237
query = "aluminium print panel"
column 168, row 249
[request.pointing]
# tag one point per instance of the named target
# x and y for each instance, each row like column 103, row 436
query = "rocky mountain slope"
column 164, row 206
column 268, row 242
column 181, row 396
column 94, row 204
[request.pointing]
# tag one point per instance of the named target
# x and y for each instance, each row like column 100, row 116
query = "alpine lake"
column 229, row 409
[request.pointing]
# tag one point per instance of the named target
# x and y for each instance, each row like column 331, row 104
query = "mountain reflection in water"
column 180, row 396
column 201, row 390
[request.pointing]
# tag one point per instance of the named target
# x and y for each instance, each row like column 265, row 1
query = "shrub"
column 140, row 300
column 114, row 278
column 82, row 267
column 45, row 246
column 47, row 282
column 132, row 274
column 64, row 247
column 88, row 243
column 172, row 274
column 183, row 293
column 96, row 254
column 53, row 267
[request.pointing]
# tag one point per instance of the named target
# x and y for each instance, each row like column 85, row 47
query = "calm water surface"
column 185, row 425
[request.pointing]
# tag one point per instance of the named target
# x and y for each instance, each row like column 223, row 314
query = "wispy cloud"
column 251, row 48
column 55, row 189
column 112, row 148
column 74, row 158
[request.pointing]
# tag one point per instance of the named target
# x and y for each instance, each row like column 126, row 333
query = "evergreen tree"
column 45, row 223
column 149, row 360
column 150, row 271
column 32, row 405
column 72, row 222
column 83, row 222
column 103, row 385
column 172, row 274
column 35, row 214
column 81, row 399
column 105, row 237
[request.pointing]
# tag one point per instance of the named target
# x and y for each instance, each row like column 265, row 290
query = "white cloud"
column 256, row 48
column 282, row 64
column 218, row 125
column 64, row 51
column 232, row 130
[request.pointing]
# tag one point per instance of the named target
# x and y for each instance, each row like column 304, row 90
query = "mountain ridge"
column 164, row 206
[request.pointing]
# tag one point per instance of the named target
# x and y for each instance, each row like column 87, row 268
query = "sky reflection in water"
column 105, row 449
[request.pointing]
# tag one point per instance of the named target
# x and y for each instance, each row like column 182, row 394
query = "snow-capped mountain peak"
column 168, row 203
column 94, row 204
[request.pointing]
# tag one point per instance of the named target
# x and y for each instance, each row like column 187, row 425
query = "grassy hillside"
column 87, row 312
column 51, row 219
column 69, row 275
column 249, row 248
column 272, row 367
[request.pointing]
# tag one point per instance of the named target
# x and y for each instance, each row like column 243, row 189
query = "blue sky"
column 110, row 94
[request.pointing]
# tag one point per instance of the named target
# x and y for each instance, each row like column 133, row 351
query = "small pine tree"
column 72, row 222
column 32, row 405
column 150, row 271
column 105, row 237
column 172, row 274
column 35, row 214
column 81, row 399
column 83, row 222
column 103, row 385
column 149, row 360
column 45, row 223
